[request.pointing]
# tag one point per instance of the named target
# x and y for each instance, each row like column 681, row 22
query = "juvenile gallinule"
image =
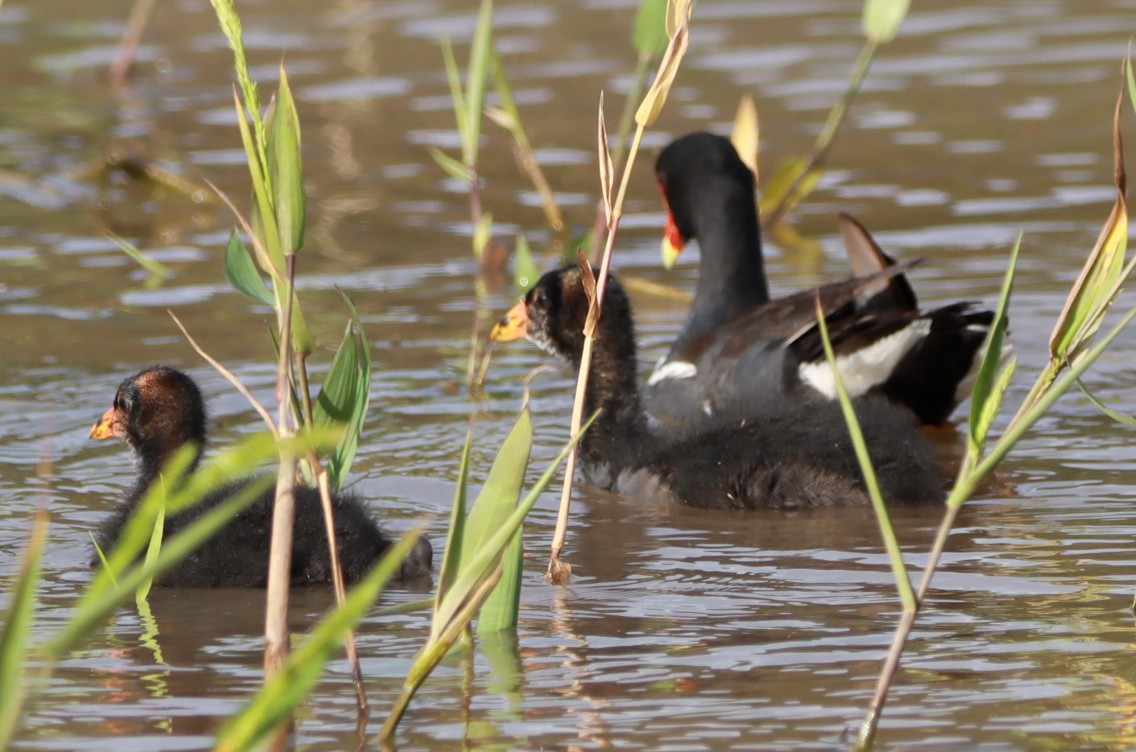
column 159, row 410
column 785, row 454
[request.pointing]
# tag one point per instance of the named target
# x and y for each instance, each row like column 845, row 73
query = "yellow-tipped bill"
column 673, row 241
column 513, row 325
column 108, row 426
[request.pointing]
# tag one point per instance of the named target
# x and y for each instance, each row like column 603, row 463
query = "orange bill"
column 108, row 426
column 513, row 325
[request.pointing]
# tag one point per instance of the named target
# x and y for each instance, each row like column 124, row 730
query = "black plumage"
column 737, row 345
column 159, row 410
column 782, row 454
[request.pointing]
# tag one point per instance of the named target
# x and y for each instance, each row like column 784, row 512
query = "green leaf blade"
column 882, row 18
column 650, row 34
column 242, row 273
column 16, row 629
column 286, row 168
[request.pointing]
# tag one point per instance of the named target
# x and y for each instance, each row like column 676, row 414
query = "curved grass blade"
column 280, row 696
column 982, row 410
column 1120, row 418
column 94, row 608
column 472, row 585
column 17, row 627
column 242, row 274
column 346, row 395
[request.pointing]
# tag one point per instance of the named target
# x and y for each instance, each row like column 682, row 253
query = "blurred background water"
column 681, row 629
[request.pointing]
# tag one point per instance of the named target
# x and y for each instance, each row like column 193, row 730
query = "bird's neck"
column 613, row 390
column 731, row 277
column 153, row 462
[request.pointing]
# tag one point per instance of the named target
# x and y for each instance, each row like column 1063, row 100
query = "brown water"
column 681, row 630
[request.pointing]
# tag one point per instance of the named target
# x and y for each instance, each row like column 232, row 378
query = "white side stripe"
column 867, row 367
column 676, row 369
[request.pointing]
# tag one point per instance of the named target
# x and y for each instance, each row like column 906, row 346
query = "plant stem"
column 283, row 515
column 827, row 135
column 558, row 571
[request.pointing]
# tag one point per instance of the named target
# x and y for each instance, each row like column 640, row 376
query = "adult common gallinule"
column 736, row 343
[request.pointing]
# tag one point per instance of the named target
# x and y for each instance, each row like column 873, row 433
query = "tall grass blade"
column 1120, row 418
column 453, row 167
column 509, row 118
column 455, row 541
column 469, row 589
column 476, row 80
column 17, row 627
column 981, row 416
column 242, row 274
column 871, row 482
column 607, row 169
column 263, row 221
column 454, row 78
column 280, row 696
column 156, row 268
column 1099, row 282
column 482, row 233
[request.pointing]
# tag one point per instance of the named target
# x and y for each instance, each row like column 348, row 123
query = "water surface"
column 681, row 629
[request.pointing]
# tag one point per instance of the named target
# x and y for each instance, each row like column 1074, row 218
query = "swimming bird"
column 786, row 454
column 158, row 411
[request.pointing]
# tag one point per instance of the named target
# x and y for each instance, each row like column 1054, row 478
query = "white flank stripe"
column 867, row 367
column 676, row 369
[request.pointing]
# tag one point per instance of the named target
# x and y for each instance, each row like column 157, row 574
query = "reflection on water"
column 681, row 629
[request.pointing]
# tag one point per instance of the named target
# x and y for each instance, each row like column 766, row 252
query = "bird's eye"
column 539, row 298
column 122, row 403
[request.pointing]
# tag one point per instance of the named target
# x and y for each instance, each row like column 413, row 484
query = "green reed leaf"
column 453, row 167
column 156, row 268
column 497, row 500
column 290, row 686
column 678, row 18
column 15, row 633
column 472, row 584
column 346, row 395
column 1103, row 273
column 887, row 532
column 525, row 270
column 482, row 234
column 286, row 168
column 455, row 540
column 985, row 399
column 454, row 78
column 882, row 18
column 242, row 274
column 1119, row 417
column 476, row 79
column 650, row 34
